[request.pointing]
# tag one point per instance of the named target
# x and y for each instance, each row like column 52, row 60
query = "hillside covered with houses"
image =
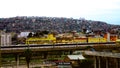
column 60, row 25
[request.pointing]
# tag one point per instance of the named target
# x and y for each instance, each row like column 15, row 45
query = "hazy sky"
column 101, row 10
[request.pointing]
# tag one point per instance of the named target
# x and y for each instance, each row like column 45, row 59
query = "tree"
column 39, row 34
column 0, row 56
column 30, row 35
column 45, row 32
column 28, row 55
column 84, row 31
column 15, row 39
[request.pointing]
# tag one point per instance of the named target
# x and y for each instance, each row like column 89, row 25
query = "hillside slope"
column 18, row 24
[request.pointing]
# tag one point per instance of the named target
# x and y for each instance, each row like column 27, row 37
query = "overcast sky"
column 100, row 10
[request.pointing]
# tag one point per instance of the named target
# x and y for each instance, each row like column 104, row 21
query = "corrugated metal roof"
column 76, row 57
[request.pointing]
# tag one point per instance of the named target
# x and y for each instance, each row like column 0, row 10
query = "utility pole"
column 0, row 51
column 0, row 57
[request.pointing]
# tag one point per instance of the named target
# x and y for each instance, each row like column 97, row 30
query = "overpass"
column 57, row 47
column 104, row 59
column 97, row 56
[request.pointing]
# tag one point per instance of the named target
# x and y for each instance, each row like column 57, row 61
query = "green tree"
column 30, row 35
column 15, row 39
column 38, row 34
column 28, row 55
column 45, row 32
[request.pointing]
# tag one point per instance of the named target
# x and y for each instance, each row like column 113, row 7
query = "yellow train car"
column 50, row 39
column 64, row 40
column 80, row 40
column 96, row 40
column 118, row 42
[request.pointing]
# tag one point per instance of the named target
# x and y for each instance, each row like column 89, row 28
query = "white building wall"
column 6, row 39
column 108, row 37
column 2, row 40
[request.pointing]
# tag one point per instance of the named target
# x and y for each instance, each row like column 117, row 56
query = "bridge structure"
column 104, row 59
column 58, row 47
column 17, row 50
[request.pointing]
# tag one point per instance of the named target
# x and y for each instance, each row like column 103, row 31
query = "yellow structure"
column 80, row 40
column 96, row 40
column 64, row 40
column 50, row 39
column 67, row 41
column 118, row 42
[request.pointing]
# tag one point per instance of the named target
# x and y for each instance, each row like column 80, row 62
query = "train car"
column 80, row 40
column 118, row 42
column 96, row 40
column 64, row 40
column 50, row 39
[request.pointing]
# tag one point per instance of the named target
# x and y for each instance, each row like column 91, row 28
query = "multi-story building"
column 110, row 37
column 5, row 39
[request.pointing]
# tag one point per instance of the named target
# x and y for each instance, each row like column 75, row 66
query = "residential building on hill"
column 5, row 39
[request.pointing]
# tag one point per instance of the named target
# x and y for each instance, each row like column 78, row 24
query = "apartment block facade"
column 5, row 39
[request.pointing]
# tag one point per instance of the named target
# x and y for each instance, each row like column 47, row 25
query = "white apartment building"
column 5, row 39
